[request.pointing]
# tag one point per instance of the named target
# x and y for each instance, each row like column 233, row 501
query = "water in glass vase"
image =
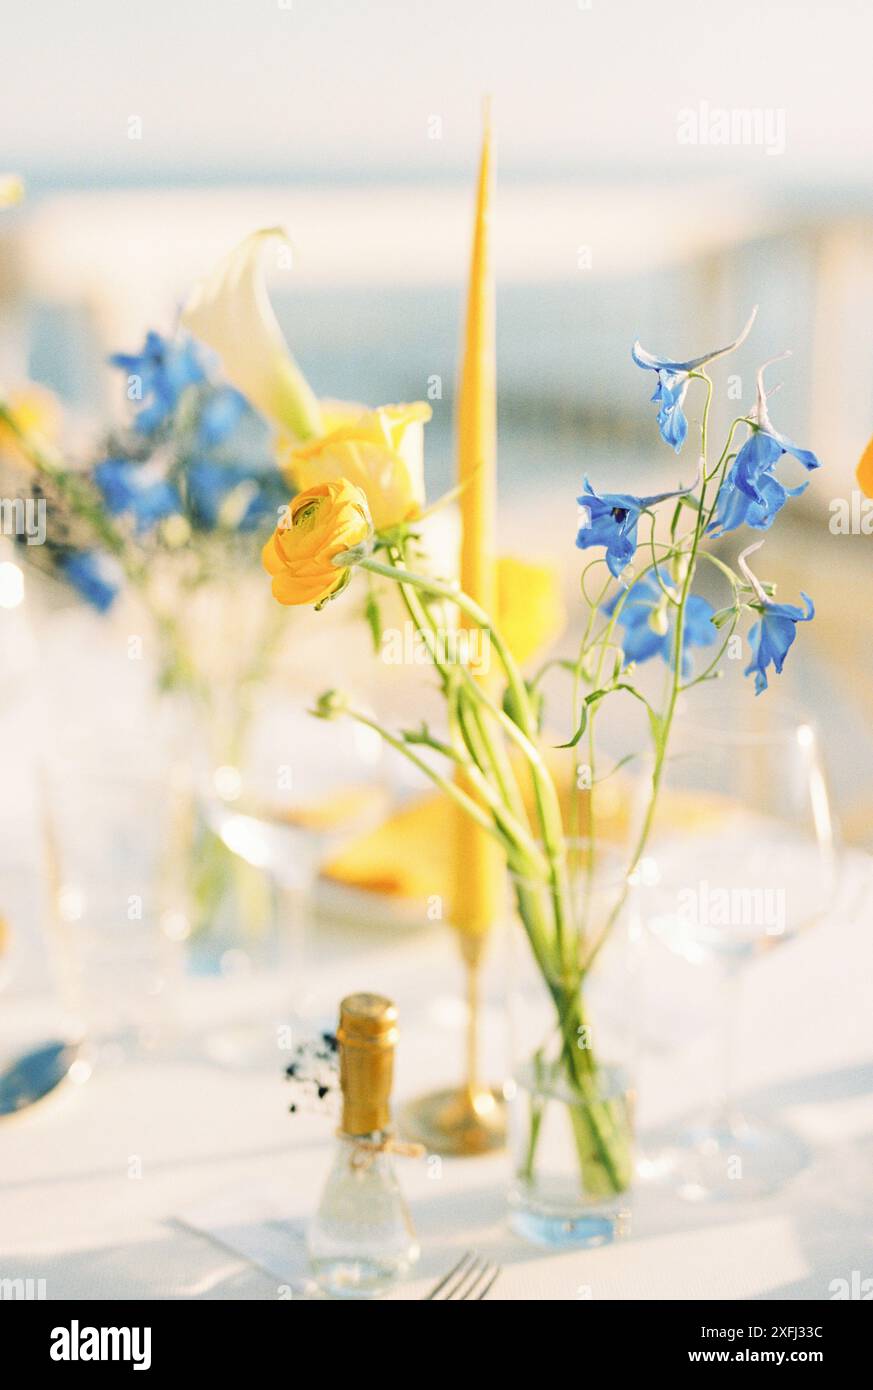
column 571, row 1015
column 572, row 1154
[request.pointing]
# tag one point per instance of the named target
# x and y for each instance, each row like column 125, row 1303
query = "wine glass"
column 294, row 791
column 741, row 859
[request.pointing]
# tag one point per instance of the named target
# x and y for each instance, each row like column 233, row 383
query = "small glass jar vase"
column 571, row 1012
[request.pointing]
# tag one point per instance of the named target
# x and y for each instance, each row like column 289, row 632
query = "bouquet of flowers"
column 358, row 511
column 163, row 509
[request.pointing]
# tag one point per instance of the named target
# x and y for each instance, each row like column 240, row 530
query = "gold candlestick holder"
column 469, row 1119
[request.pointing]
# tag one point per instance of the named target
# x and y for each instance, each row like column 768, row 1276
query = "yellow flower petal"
column 37, row 413
column 530, row 607
column 380, row 451
column 320, row 524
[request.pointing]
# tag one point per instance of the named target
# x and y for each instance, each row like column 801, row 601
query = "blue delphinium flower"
column 97, row 577
column 222, row 410
column 772, row 636
column 612, row 520
column 751, row 494
column 650, row 631
column 211, row 500
column 134, row 488
column 165, row 369
column 673, row 379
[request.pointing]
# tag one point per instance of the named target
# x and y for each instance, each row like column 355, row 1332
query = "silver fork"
column 471, row 1278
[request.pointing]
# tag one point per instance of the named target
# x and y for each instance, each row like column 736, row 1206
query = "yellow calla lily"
column 231, row 313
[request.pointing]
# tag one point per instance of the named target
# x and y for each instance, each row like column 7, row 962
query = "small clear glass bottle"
column 361, row 1239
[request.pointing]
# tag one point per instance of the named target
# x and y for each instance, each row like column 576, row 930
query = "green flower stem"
column 554, row 950
column 548, row 805
column 515, row 839
column 665, row 723
column 471, row 729
column 589, row 1117
column 483, row 750
column 421, row 615
column 452, row 593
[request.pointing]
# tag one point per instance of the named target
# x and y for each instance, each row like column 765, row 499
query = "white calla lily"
column 231, row 313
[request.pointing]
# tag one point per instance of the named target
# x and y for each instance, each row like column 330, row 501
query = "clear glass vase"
column 572, row 1044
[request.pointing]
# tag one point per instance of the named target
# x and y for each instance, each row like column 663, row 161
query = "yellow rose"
column 380, row 451
column 320, row 523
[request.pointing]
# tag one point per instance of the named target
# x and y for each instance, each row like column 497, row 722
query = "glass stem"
column 726, row 1117
column 472, row 970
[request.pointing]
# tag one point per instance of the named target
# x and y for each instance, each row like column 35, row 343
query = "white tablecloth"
column 105, row 1189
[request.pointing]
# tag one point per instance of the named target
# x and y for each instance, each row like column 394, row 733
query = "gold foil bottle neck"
column 367, row 1035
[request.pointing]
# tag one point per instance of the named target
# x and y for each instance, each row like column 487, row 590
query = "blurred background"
column 150, row 144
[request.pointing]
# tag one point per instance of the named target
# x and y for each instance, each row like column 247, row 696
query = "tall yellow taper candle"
column 477, row 859
column 471, row 1119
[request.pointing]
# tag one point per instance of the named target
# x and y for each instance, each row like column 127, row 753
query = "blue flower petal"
column 640, row 641
column 129, row 487
column 673, row 384
column 772, row 636
column 97, row 577
column 751, row 494
column 221, row 413
column 165, row 370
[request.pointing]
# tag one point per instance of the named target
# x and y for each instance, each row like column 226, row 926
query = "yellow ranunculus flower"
column 320, row 523
column 381, row 451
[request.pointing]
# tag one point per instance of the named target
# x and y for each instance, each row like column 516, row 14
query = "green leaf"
column 583, row 725
column 588, row 703
column 656, row 724
column 424, row 738
column 535, row 699
column 690, row 501
column 373, row 616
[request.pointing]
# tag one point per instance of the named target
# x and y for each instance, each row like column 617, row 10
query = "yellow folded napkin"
column 410, row 855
